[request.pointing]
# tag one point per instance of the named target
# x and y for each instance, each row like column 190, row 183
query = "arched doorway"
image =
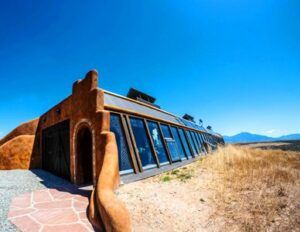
column 84, row 159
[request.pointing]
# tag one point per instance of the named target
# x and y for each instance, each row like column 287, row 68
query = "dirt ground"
column 163, row 204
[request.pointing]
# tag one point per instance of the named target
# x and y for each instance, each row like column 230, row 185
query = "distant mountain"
column 246, row 137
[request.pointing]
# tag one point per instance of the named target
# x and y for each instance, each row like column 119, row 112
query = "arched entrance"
column 84, row 153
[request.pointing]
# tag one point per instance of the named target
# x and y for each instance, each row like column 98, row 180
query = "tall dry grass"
column 256, row 190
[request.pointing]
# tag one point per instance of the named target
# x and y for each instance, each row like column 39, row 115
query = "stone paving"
column 55, row 205
column 50, row 210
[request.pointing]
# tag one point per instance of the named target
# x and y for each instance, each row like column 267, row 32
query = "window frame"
column 180, row 141
column 187, row 142
column 194, row 150
column 131, row 143
column 163, row 143
column 137, row 154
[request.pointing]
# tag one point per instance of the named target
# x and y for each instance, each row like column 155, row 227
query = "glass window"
column 198, row 141
column 195, row 142
column 171, row 143
column 157, row 142
column 166, row 131
column 178, row 141
column 173, row 148
column 201, row 140
column 204, row 137
column 125, row 164
column 191, row 142
column 142, row 143
column 185, row 143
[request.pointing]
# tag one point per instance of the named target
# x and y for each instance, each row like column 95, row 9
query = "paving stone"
column 26, row 224
column 40, row 200
column 65, row 228
column 55, row 216
column 54, row 204
column 41, row 196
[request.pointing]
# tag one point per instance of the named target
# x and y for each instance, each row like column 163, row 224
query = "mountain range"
column 246, row 137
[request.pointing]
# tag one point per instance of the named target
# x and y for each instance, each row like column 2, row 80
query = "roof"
column 121, row 102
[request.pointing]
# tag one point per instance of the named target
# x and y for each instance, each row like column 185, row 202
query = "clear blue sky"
column 233, row 63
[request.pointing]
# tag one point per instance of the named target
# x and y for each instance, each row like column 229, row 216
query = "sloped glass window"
column 166, row 131
column 178, row 141
column 185, row 143
column 142, row 143
column 125, row 164
column 201, row 141
column 173, row 148
column 197, row 142
column 158, row 142
column 171, row 143
column 191, row 142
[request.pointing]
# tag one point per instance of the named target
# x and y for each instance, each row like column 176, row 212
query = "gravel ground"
column 17, row 182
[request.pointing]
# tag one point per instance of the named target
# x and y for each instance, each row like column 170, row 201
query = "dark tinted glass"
column 157, row 141
column 123, row 151
column 198, row 141
column 142, row 142
column 171, row 143
column 185, row 143
column 195, row 141
column 201, row 141
column 191, row 142
column 166, row 131
column 178, row 141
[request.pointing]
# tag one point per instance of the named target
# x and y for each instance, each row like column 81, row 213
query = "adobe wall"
column 85, row 107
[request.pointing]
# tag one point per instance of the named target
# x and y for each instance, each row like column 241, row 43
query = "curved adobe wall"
column 18, row 149
column 106, row 211
column 27, row 128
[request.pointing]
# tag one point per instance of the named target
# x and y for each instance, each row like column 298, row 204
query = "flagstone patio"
column 63, row 208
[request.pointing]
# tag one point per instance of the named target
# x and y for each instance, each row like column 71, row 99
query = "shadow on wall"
column 19, row 148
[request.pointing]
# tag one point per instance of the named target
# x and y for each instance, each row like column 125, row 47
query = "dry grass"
column 256, row 190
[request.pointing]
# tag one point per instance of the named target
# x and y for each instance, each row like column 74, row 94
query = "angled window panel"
column 125, row 162
column 173, row 148
column 171, row 143
column 185, row 143
column 191, row 142
column 142, row 143
column 166, row 131
column 178, row 141
column 198, row 141
column 201, row 141
column 157, row 139
column 195, row 142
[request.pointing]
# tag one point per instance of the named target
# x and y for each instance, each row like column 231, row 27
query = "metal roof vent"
column 188, row 117
column 142, row 97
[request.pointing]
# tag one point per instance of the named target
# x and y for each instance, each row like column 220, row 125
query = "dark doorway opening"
column 84, row 152
column 56, row 149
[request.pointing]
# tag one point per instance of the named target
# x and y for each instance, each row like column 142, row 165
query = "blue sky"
column 233, row 63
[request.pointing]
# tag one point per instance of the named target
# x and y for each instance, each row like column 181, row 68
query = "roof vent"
column 142, row 97
column 188, row 117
